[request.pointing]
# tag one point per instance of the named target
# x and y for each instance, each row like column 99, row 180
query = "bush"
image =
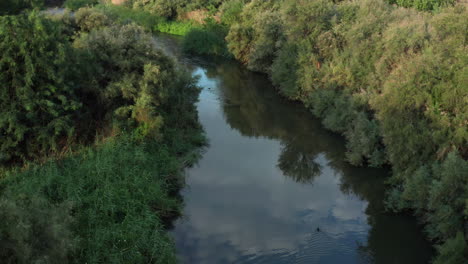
column 38, row 99
column 77, row 4
column 136, row 88
column 87, row 19
column 162, row 8
column 253, row 41
column 120, row 197
column 453, row 251
column 207, row 41
column 180, row 28
column 124, row 15
column 231, row 10
column 11, row 7
column 284, row 72
column 34, row 231
column 423, row 4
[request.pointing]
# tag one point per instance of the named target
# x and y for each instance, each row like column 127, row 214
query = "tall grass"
column 180, row 28
column 120, row 195
column 122, row 14
column 77, row 4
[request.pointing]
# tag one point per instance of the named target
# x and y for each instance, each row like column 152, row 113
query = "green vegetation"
column 77, row 4
column 207, row 40
column 102, row 124
column 124, row 15
column 391, row 80
column 151, row 22
column 423, row 4
column 180, row 28
column 105, row 205
column 9, row 7
column 39, row 102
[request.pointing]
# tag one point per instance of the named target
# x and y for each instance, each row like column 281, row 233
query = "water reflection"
column 272, row 177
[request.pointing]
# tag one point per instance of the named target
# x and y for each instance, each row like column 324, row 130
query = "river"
column 273, row 185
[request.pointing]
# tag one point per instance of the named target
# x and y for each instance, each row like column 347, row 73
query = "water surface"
column 273, row 186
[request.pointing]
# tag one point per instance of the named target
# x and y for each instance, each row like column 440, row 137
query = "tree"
column 36, row 94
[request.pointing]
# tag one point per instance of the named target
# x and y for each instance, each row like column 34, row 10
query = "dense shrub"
column 130, row 80
column 423, row 4
column 230, row 11
column 120, row 196
column 76, row 4
column 254, row 40
column 38, row 99
column 107, row 203
column 124, row 15
column 172, row 8
column 9, row 7
column 207, row 40
column 35, row 231
column 87, row 19
column 163, row 8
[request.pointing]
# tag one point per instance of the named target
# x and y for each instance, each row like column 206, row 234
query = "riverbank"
column 96, row 135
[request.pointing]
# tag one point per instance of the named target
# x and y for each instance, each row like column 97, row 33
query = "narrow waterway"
column 273, row 186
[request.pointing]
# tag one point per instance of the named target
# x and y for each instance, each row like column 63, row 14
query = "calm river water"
column 273, row 186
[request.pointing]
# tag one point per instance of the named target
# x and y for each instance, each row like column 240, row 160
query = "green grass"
column 180, row 28
column 122, row 14
column 121, row 192
column 77, row 4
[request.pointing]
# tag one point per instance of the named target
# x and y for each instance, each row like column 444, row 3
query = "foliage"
column 34, row 231
column 253, row 41
column 77, row 4
column 171, row 9
column 120, row 194
column 209, row 40
column 136, row 89
column 87, row 19
column 453, row 251
column 38, row 98
column 180, row 28
column 230, row 11
column 391, row 80
column 11, row 7
column 423, row 4
column 162, row 8
column 124, row 15
column 101, row 204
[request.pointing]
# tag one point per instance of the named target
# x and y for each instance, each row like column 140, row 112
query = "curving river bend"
column 273, row 186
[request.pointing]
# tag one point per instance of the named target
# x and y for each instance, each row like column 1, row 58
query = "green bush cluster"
column 170, row 9
column 391, row 80
column 38, row 97
column 110, row 78
column 207, row 40
column 35, row 231
column 77, row 79
column 124, row 15
column 425, row 5
column 11, row 7
column 77, row 4
column 105, row 205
